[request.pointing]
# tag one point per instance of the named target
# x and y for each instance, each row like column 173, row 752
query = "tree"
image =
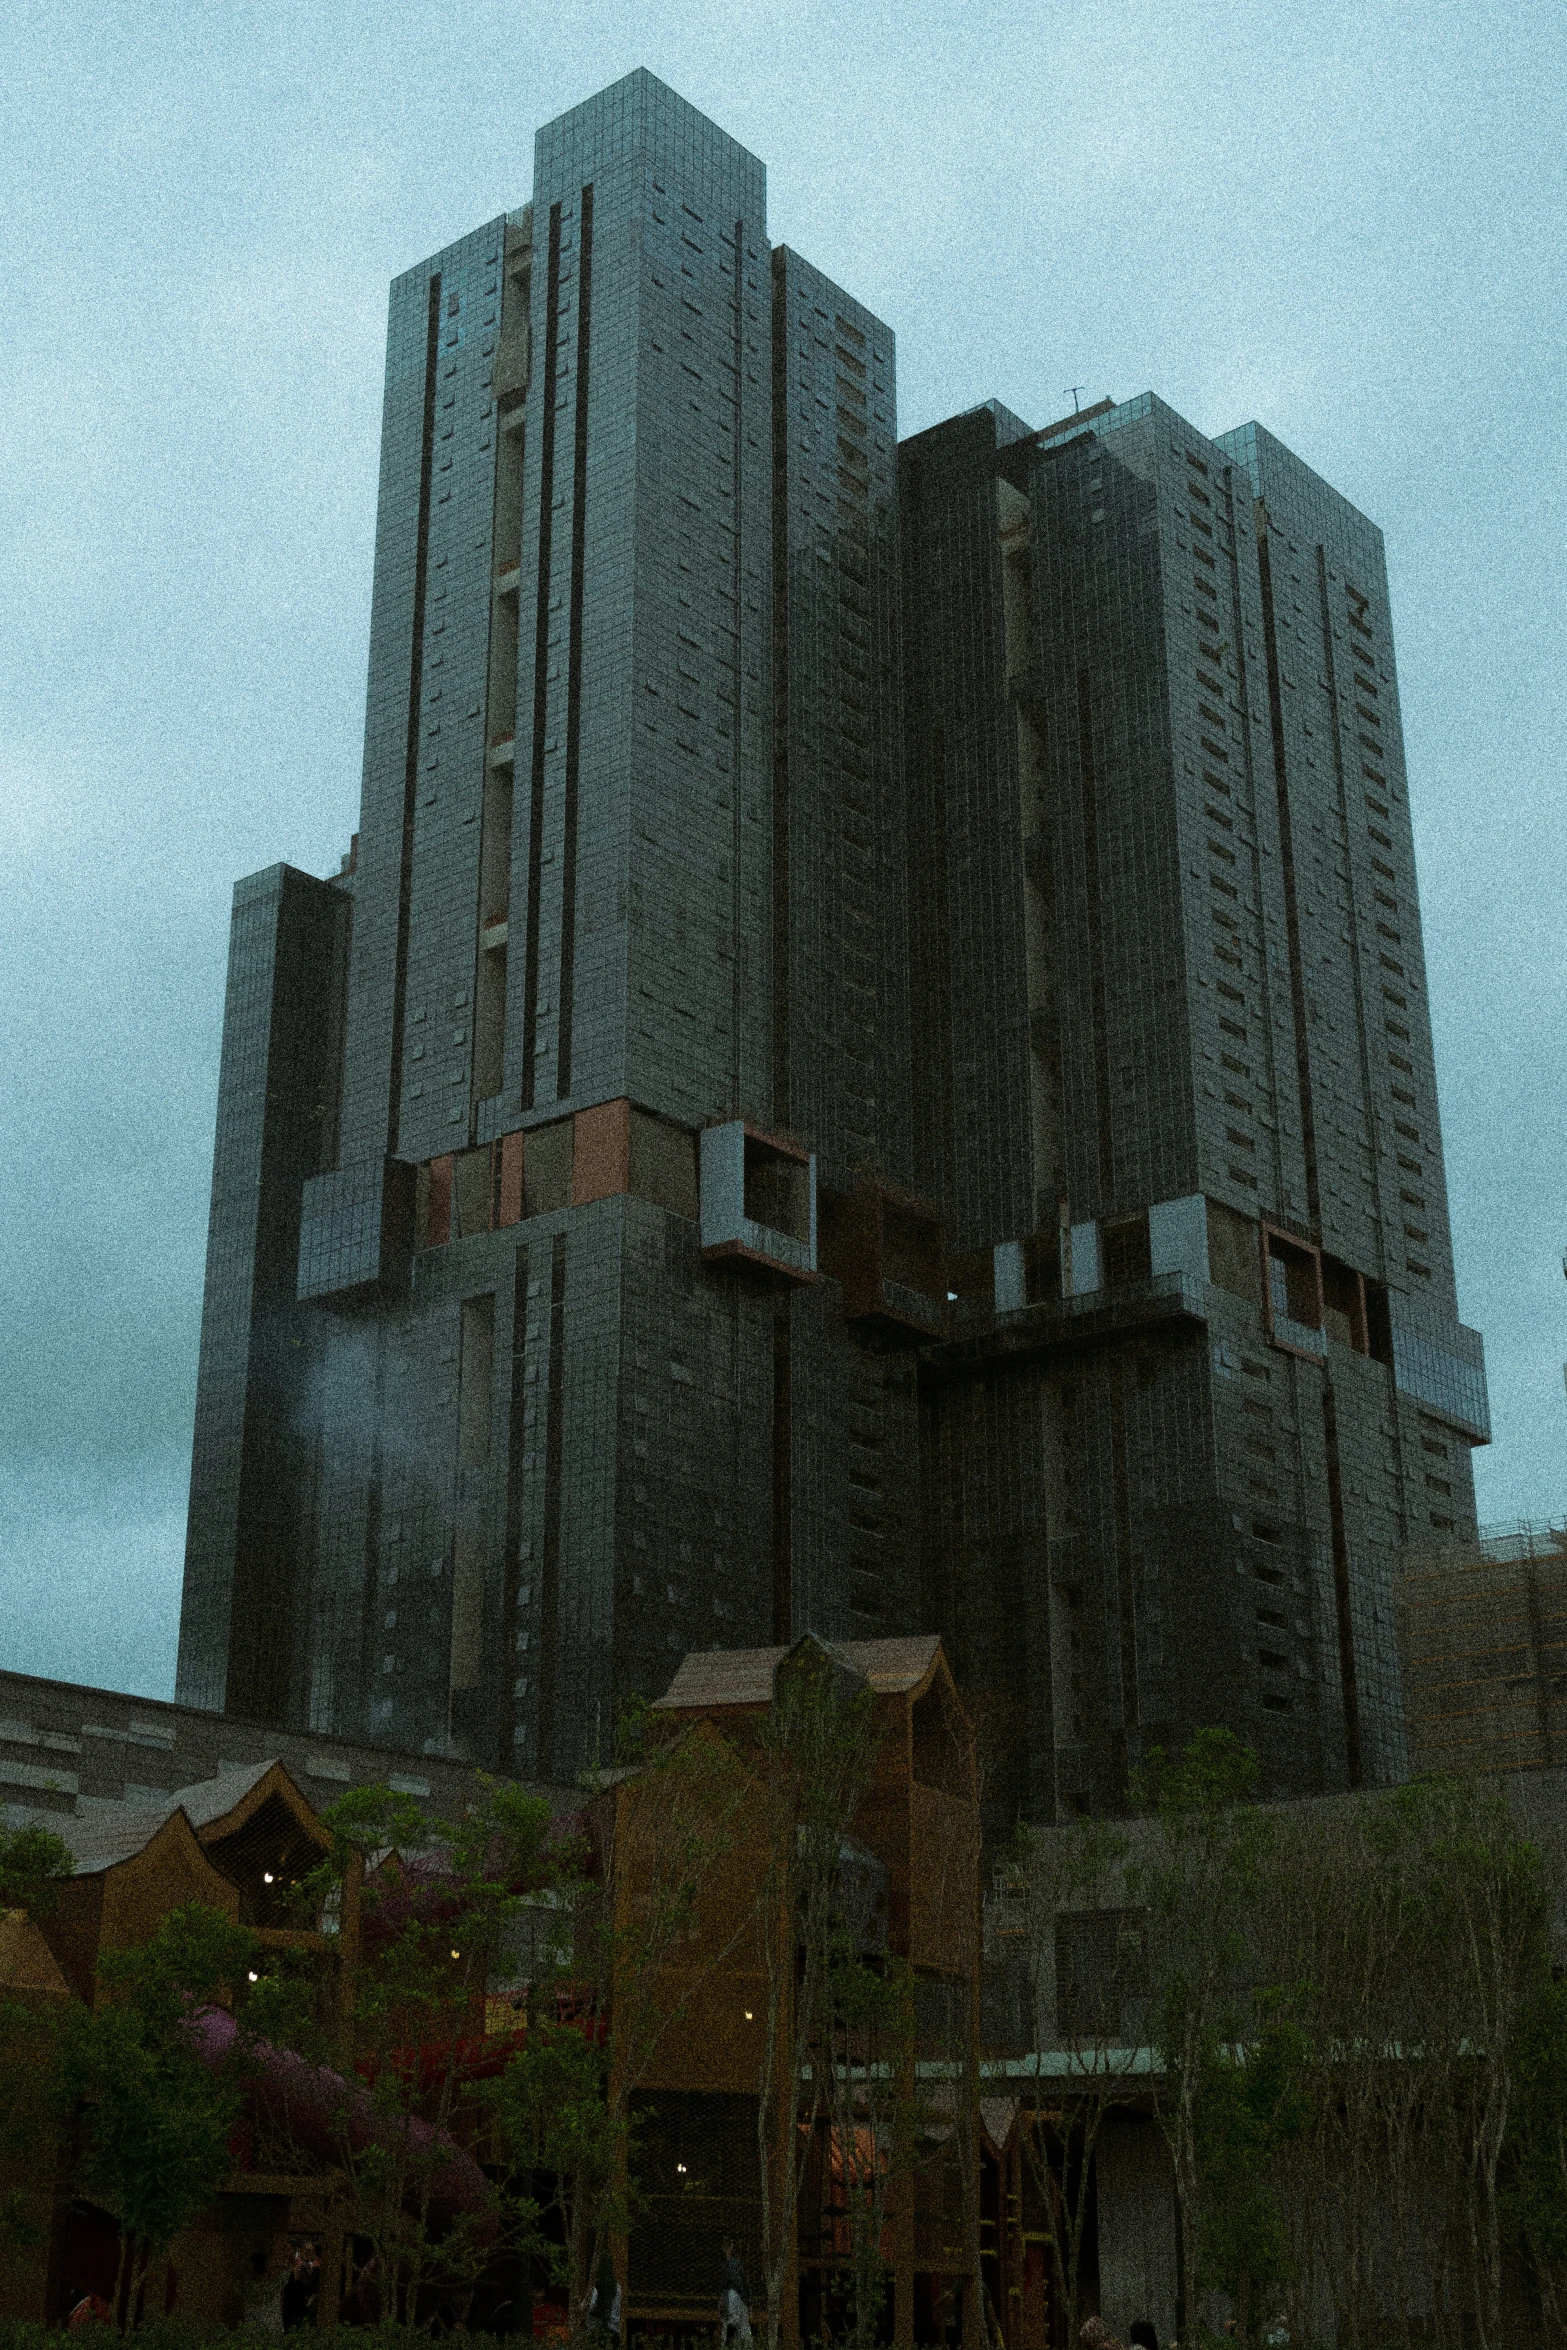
column 556, row 2119
column 1199, row 1882
column 1537, row 2201
column 660, row 1825
column 384, row 2087
column 1491, row 1909
column 867, row 2049
column 1250, row 2103
column 154, row 2118
column 1086, row 1963
column 33, row 1864
column 815, row 1752
column 1332, row 1918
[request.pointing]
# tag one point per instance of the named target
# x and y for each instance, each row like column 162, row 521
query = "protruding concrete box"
column 356, row 1230
column 886, row 1248
column 758, row 1200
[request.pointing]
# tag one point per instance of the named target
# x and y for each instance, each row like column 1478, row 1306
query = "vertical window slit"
column 780, row 693
column 1096, row 957
column 541, row 659
column 1308, row 1124
column 549, row 1564
column 579, row 499
column 1341, row 1586
column 432, row 342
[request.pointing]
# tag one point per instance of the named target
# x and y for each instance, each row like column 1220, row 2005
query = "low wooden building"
column 719, row 2085
column 708, row 2040
column 236, row 1842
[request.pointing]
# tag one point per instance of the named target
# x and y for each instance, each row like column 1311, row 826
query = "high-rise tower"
column 1178, row 1100
column 491, row 1427
column 869, row 1067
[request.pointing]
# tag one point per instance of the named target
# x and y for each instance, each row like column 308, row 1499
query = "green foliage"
column 288, row 2005
column 554, row 2111
column 1537, row 2203
column 1200, row 1882
column 1250, row 2103
column 1356, row 2028
column 634, row 1728
column 195, row 1958
column 428, row 1913
column 33, row 1861
column 1213, row 1774
column 155, row 2119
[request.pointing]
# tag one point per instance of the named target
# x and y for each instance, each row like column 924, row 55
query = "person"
column 264, row 2295
column 604, row 2305
column 1144, row 2334
column 361, row 2304
column 1096, row 2335
column 300, row 2289
column 734, row 2300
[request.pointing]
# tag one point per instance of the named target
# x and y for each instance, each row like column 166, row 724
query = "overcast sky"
column 1346, row 221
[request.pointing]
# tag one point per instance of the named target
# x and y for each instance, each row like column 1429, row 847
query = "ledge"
column 980, row 1336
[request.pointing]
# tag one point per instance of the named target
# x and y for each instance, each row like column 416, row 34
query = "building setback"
column 788, row 870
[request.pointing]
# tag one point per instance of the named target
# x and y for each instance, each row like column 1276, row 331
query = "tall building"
column 1178, row 1099
column 491, row 1429
column 868, row 1070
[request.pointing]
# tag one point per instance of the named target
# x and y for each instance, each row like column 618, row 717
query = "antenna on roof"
column 1075, row 390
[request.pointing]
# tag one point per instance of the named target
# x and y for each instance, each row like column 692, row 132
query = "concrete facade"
column 67, row 1750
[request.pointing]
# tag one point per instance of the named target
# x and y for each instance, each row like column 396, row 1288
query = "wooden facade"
column 689, row 2037
column 233, row 1842
column 724, row 2020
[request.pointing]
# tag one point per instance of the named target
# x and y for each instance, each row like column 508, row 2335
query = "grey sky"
column 1346, row 221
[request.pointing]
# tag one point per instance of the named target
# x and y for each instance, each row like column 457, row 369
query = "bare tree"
column 816, row 1750
column 660, row 1829
column 1087, row 1971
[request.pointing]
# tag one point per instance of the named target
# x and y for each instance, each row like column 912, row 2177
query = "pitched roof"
column 744, row 1676
column 115, row 1831
column 101, row 1839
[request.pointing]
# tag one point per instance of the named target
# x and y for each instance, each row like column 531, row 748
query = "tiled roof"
column 112, row 1832
column 744, row 1676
